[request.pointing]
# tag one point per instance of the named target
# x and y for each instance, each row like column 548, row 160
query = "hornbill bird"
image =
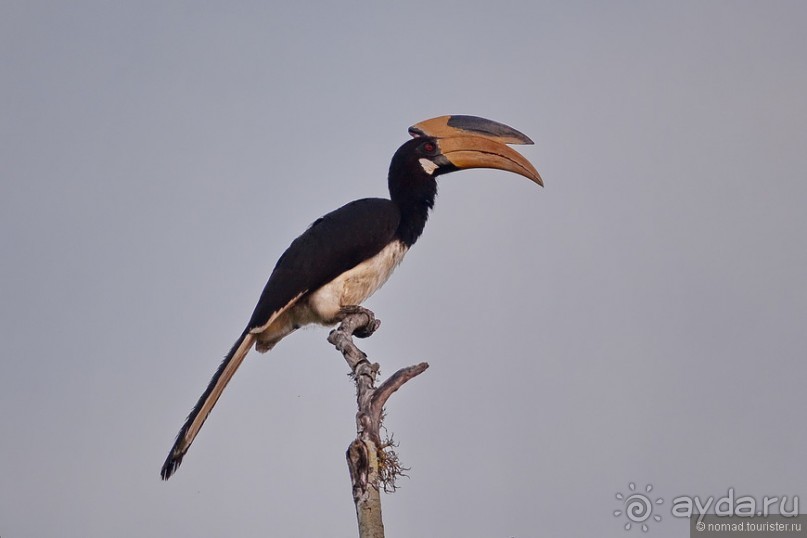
column 345, row 256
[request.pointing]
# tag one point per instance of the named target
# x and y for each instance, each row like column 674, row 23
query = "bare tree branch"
column 372, row 462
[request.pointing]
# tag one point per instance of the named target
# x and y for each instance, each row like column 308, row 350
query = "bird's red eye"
column 429, row 147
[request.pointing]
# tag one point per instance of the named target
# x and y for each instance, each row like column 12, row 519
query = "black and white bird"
column 345, row 256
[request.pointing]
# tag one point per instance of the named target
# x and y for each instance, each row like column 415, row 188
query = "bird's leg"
column 367, row 329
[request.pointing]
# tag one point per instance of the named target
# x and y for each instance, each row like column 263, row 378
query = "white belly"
column 353, row 287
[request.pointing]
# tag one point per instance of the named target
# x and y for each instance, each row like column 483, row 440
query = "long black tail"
column 206, row 402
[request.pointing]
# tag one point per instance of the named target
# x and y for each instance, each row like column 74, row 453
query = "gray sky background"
column 641, row 319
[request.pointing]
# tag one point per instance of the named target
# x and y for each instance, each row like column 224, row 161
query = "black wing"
column 335, row 243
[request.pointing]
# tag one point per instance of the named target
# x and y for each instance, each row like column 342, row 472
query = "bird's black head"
column 412, row 184
column 415, row 165
column 447, row 144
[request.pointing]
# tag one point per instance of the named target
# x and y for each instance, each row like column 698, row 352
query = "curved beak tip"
column 538, row 179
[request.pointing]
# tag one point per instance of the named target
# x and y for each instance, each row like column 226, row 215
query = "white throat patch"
column 428, row 166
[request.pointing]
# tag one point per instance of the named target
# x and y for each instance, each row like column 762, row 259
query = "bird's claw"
column 366, row 330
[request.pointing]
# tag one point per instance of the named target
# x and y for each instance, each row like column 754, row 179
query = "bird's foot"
column 367, row 329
